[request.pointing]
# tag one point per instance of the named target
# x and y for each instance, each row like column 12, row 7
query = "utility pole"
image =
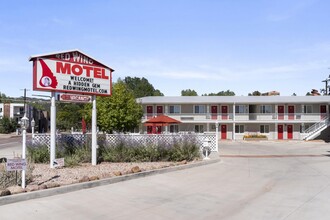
column 25, row 98
column 326, row 90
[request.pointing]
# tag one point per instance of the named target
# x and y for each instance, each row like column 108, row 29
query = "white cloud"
column 288, row 9
column 289, row 71
column 61, row 22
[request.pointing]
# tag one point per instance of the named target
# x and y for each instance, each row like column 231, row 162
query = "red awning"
column 155, row 124
column 163, row 120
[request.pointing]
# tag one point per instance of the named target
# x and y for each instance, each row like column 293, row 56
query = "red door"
column 280, row 132
column 323, row 111
column 280, row 112
column 149, row 111
column 224, row 111
column 159, row 110
column 291, row 112
column 290, row 132
column 214, row 112
column 223, row 132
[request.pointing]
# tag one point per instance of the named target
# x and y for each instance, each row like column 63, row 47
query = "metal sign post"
column 94, row 132
column 52, row 130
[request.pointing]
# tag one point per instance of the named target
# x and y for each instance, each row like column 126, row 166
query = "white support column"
column 276, row 111
column 234, row 106
column 52, row 130
column 217, row 136
column 94, row 131
column 276, row 132
column 234, row 134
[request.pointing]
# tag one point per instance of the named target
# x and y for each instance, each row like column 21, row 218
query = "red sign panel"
column 75, row 98
column 71, row 71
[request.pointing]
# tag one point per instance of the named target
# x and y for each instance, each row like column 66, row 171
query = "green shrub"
column 7, row 125
column 38, row 154
column 184, row 151
column 73, row 155
column 128, row 151
column 185, row 148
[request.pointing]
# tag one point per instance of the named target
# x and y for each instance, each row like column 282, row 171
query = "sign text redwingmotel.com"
column 72, row 72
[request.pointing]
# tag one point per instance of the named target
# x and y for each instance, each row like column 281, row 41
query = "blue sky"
column 205, row 45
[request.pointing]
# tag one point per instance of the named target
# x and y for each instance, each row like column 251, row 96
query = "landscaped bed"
column 121, row 159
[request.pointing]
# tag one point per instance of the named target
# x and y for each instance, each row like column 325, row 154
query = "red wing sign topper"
column 72, row 72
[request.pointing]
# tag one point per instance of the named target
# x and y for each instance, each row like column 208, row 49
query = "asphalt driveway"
column 254, row 180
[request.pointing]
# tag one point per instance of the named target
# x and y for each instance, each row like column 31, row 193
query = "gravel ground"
column 43, row 175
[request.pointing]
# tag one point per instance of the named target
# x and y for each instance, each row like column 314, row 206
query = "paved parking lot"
column 254, row 180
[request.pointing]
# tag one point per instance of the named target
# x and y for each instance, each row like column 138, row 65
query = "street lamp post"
column 24, row 123
column 33, row 124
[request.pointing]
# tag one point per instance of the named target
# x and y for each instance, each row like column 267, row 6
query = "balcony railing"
column 312, row 117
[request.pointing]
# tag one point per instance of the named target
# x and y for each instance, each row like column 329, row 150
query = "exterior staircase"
column 316, row 129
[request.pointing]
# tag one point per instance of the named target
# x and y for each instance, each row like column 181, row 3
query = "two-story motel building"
column 277, row 117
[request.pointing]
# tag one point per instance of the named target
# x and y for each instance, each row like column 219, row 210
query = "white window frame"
column 263, row 109
column 176, row 109
column 306, row 126
column 241, row 129
column 175, row 128
column 308, row 109
column 240, row 109
column 199, row 109
column 264, row 129
column 200, row 129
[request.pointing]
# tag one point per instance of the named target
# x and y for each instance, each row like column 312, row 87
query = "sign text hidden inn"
column 71, row 71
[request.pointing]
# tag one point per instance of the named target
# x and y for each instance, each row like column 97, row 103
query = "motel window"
column 240, row 109
column 174, row 109
column 239, row 129
column 200, row 109
column 264, row 129
column 265, row 109
column 174, row 128
column 304, row 127
column 199, row 128
column 308, row 109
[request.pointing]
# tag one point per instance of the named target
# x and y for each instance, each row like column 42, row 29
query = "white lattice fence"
column 44, row 139
column 169, row 139
column 210, row 138
column 146, row 139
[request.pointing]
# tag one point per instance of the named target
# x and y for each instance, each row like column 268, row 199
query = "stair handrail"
column 316, row 126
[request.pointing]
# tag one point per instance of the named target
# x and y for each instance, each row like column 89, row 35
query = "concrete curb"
column 86, row 185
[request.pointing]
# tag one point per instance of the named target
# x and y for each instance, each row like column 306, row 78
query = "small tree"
column 221, row 93
column 7, row 125
column 189, row 92
column 141, row 87
column 69, row 115
column 255, row 93
column 119, row 112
